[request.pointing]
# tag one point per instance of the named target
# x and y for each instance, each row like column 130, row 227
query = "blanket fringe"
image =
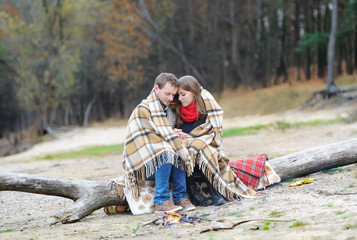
column 227, row 190
column 135, row 179
column 115, row 185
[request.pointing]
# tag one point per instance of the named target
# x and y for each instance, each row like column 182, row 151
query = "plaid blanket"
column 205, row 148
column 150, row 135
column 251, row 170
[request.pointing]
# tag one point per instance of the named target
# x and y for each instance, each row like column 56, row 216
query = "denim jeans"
column 162, row 177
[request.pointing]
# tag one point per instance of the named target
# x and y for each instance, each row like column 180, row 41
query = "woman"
column 199, row 126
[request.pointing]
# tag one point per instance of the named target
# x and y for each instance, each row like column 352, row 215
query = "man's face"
column 166, row 93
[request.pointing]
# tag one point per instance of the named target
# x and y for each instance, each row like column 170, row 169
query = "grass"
column 340, row 212
column 276, row 214
column 332, row 170
column 279, row 125
column 237, row 214
column 99, row 151
column 298, row 224
column 350, row 226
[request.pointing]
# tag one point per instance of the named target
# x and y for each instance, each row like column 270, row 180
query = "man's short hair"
column 163, row 78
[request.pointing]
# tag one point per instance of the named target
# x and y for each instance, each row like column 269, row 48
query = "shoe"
column 217, row 198
column 167, row 207
column 186, row 205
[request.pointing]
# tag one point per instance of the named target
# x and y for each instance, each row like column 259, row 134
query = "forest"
column 70, row 63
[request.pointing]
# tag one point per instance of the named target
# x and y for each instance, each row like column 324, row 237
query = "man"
column 153, row 150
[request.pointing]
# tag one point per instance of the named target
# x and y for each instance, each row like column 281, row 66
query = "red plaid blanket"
column 250, row 170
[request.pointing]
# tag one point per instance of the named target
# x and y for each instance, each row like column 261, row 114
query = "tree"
column 89, row 196
column 331, row 88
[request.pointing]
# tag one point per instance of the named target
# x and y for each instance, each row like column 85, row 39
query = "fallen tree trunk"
column 316, row 159
column 89, row 196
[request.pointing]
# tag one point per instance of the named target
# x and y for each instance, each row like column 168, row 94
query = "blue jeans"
column 162, row 177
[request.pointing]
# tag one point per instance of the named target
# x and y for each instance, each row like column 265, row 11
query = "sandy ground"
column 323, row 209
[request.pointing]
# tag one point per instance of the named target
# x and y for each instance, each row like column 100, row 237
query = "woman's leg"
column 194, row 192
column 178, row 178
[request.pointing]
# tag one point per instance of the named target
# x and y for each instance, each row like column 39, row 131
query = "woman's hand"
column 177, row 131
column 180, row 134
column 183, row 135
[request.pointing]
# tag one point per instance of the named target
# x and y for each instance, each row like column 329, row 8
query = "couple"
column 173, row 133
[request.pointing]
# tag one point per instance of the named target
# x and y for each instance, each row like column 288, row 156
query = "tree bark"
column 331, row 87
column 89, row 196
column 316, row 159
column 87, row 112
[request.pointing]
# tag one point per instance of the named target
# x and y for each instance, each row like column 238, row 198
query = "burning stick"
column 173, row 218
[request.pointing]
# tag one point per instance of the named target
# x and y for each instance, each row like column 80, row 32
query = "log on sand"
column 316, row 159
column 89, row 196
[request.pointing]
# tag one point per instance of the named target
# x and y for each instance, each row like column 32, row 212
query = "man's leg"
column 162, row 192
column 179, row 193
column 162, row 177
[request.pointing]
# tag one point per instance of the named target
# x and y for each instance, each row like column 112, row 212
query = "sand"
column 324, row 209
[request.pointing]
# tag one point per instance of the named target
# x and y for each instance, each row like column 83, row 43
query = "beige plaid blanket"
column 150, row 135
column 205, row 147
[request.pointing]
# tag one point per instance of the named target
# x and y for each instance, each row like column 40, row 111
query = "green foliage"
column 69, row 53
column 136, row 229
column 298, row 224
column 313, row 40
column 266, row 228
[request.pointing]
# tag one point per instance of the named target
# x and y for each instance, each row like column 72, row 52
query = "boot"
column 216, row 196
column 196, row 198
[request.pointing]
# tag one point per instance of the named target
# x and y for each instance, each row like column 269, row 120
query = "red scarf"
column 189, row 113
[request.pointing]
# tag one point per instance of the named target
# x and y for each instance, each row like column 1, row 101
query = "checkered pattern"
column 250, row 170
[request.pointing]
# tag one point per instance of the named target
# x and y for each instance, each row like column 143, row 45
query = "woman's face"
column 185, row 97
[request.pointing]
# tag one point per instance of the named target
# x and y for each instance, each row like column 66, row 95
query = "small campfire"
column 175, row 217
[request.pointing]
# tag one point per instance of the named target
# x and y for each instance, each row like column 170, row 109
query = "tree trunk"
column 87, row 112
column 331, row 87
column 308, row 29
column 89, row 196
column 297, row 38
column 316, row 159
